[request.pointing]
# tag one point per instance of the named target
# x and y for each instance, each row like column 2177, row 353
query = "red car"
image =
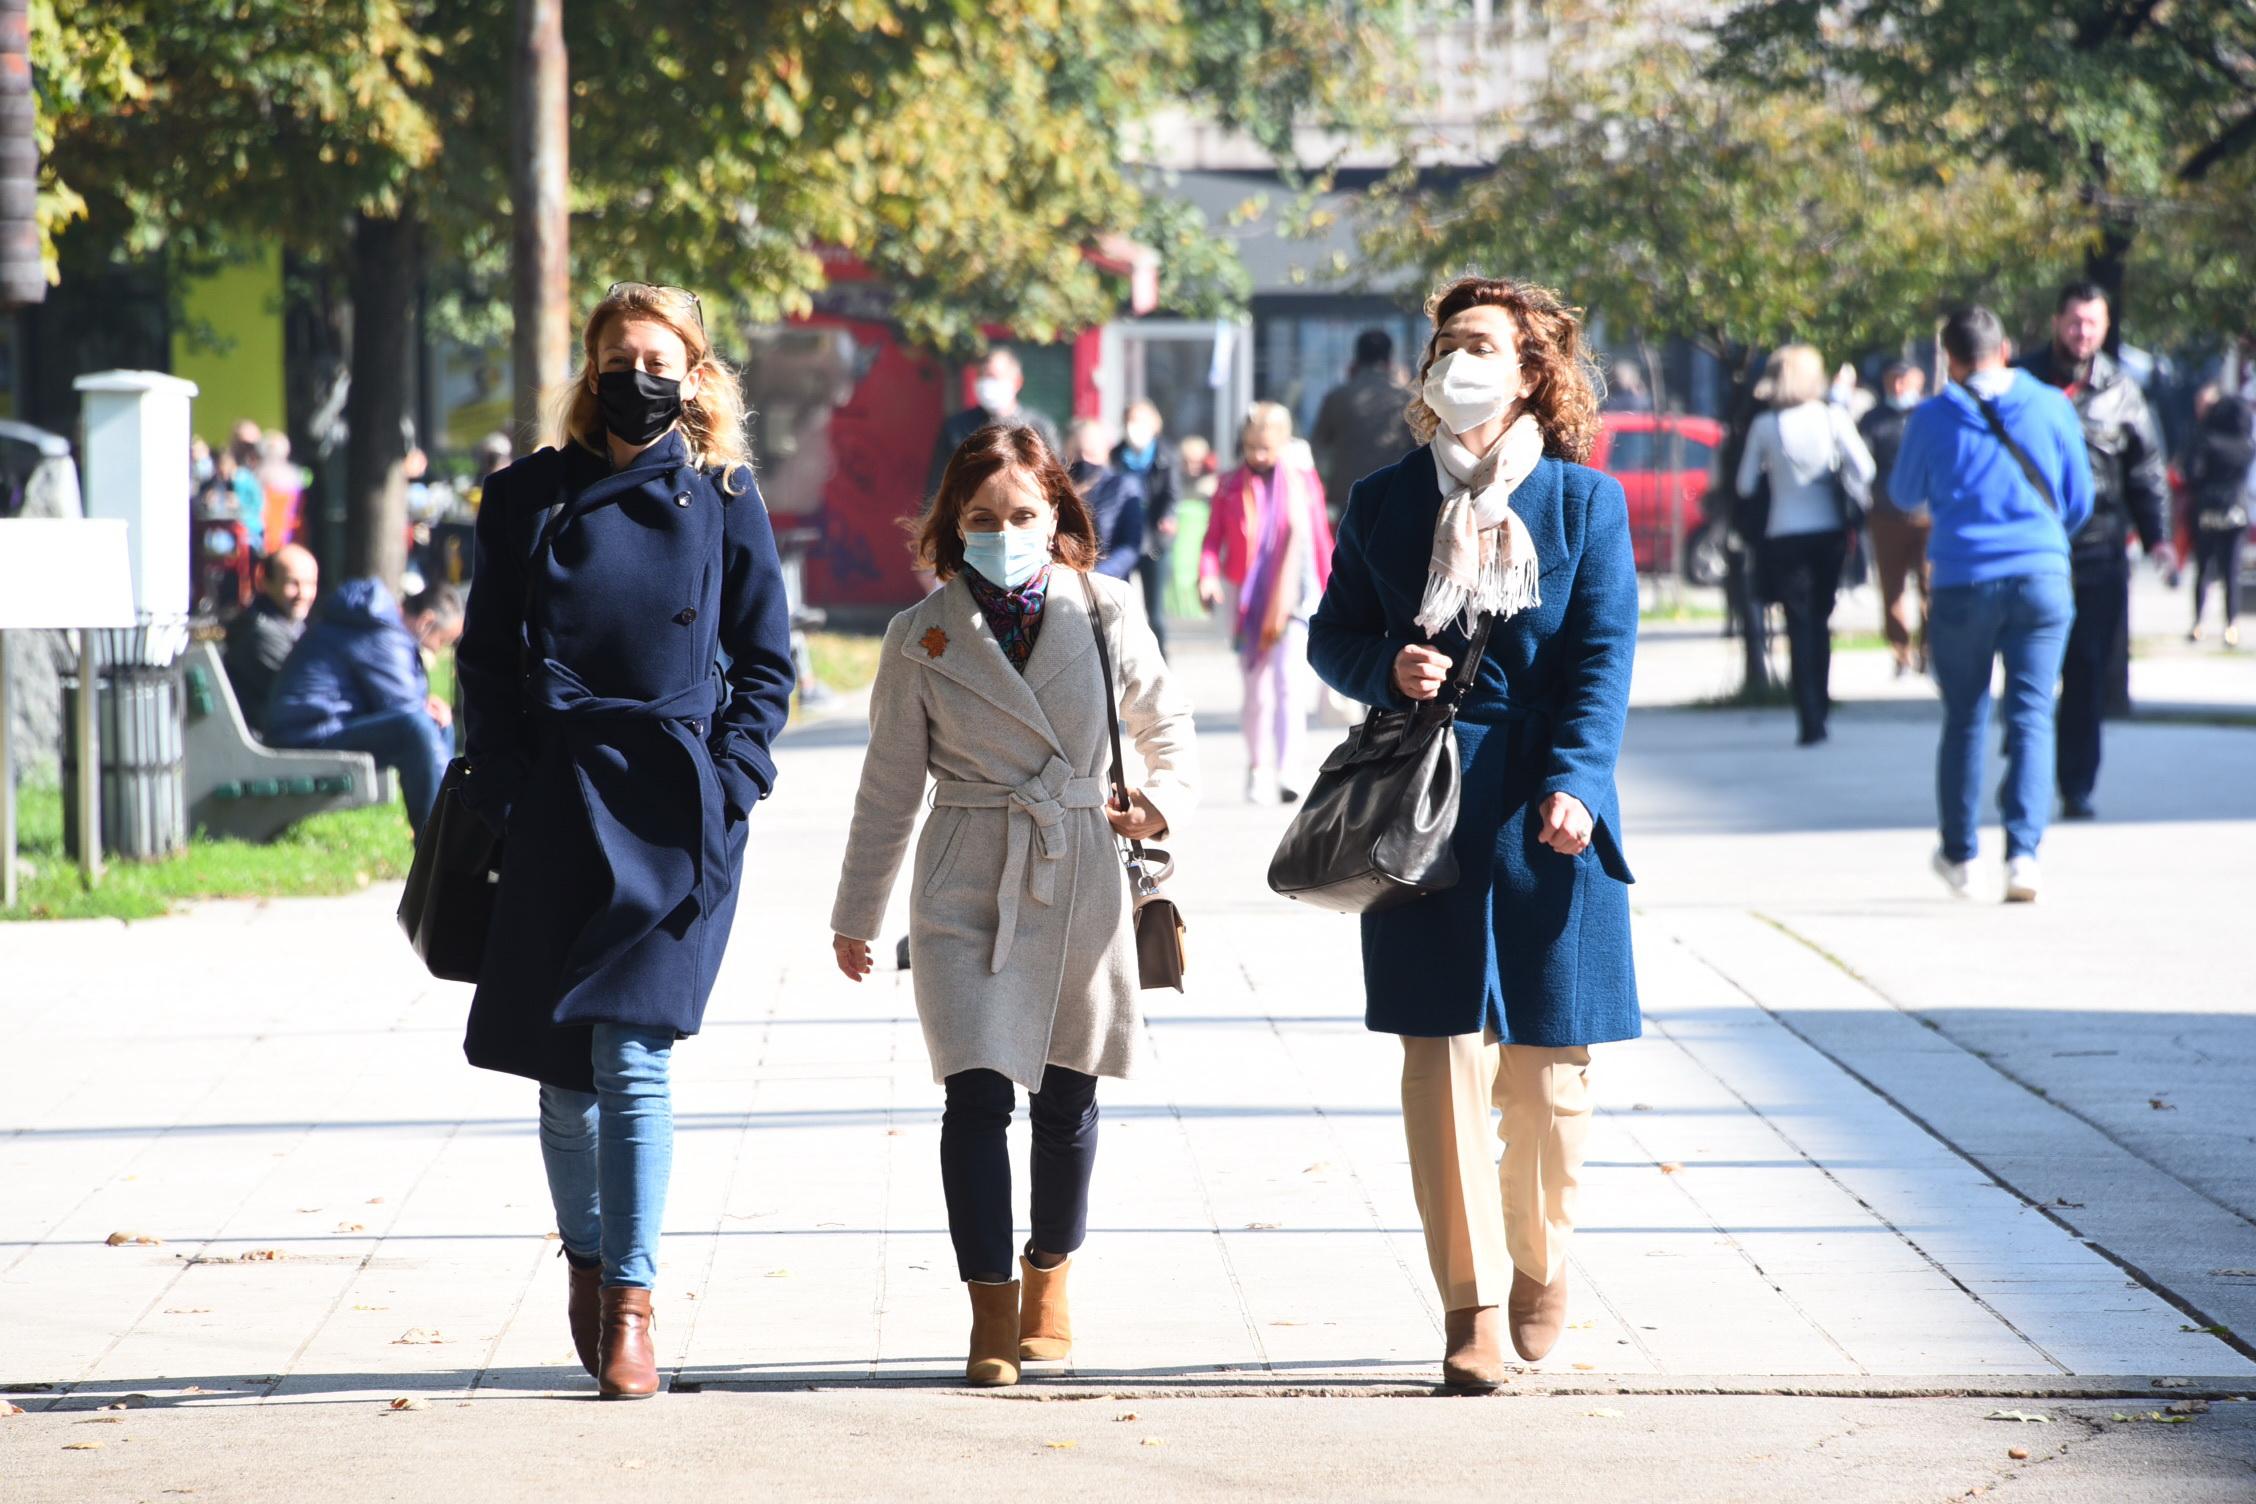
column 1658, row 458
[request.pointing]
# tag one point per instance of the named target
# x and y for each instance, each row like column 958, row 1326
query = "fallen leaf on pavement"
column 1061, row 1446
column 2062, row 1201
column 1263, row 1226
column 128, row 1402
column 1151, row 1441
column 1604, row 1414
column 82, row 1446
column 2020, row 1415
column 779, row 1274
column 351, row 1227
column 1580, row 1326
column 10, row 1407
column 1586, row 1367
column 372, row 1308
column 375, row 1201
column 2232, row 1274
column 1318, row 1168
column 307, row 1211
column 1671, row 1167
column 410, row 1402
column 138, row 1239
column 1125, row 1415
column 2161, row 1106
column 261, row 1256
column 102, row 1420
column 416, row 1336
column 2018, row 1454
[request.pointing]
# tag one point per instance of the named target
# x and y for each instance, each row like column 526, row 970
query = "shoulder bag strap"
column 1112, row 707
column 1996, row 420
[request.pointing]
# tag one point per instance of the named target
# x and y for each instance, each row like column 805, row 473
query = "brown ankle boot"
column 583, row 1308
column 1539, row 1314
column 994, row 1335
column 1474, row 1358
column 1045, row 1327
column 626, row 1363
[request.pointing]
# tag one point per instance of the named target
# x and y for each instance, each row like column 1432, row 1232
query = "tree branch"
column 2231, row 142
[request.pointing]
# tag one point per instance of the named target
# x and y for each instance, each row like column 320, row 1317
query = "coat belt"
column 1037, row 814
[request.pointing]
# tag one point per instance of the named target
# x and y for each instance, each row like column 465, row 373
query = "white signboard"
column 64, row 573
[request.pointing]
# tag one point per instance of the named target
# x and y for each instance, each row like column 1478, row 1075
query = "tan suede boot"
column 1045, row 1327
column 1539, row 1314
column 994, row 1335
column 626, row 1360
column 583, row 1308
column 1474, row 1358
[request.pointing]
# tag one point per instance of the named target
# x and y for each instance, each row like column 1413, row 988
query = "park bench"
column 238, row 786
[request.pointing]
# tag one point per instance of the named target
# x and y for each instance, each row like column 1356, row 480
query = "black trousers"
column 1152, row 573
column 1802, row 572
column 2087, row 681
column 975, row 1170
column 2216, row 560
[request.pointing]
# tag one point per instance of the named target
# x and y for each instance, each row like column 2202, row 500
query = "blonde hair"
column 712, row 422
column 1264, row 417
column 1793, row 375
column 1565, row 383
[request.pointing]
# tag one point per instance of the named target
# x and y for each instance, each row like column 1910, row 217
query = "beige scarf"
column 1483, row 555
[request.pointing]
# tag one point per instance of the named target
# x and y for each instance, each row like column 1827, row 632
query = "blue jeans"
column 608, row 1154
column 408, row 740
column 2025, row 619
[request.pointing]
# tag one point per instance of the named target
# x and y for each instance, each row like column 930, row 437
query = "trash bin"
column 139, row 722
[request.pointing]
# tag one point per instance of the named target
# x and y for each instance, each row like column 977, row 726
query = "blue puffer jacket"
column 356, row 659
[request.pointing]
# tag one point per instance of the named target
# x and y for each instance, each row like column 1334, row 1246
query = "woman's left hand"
column 1140, row 821
column 1564, row 824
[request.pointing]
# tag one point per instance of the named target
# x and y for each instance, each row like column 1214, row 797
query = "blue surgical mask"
column 1009, row 558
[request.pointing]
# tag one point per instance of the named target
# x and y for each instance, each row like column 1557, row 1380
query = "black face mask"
column 637, row 406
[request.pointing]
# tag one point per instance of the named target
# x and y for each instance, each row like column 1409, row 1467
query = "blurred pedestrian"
column 1360, row 426
column 241, row 472
column 259, row 640
column 1625, row 389
column 1144, row 454
column 281, row 490
column 1805, row 477
column 2130, row 494
column 1115, row 500
column 1265, row 562
column 1899, row 537
column 622, row 762
column 1020, row 930
column 995, row 394
column 1499, row 986
column 1997, row 461
column 2217, row 478
column 1201, row 477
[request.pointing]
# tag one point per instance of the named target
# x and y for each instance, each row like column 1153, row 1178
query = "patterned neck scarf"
column 1014, row 616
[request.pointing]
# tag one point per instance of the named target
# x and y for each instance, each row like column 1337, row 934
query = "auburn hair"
column 989, row 451
column 712, row 422
column 1563, row 394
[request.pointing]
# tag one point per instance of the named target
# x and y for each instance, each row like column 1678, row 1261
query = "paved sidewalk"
column 1874, row 1142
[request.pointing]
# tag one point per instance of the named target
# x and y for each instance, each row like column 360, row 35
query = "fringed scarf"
column 1484, row 559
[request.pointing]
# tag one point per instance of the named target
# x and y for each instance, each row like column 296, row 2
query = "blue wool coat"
column 1529, row 942
column 625, row 664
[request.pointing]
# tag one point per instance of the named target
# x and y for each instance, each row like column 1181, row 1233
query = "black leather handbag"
column 1374, row 833
column 448, row 906
column 1160, row 957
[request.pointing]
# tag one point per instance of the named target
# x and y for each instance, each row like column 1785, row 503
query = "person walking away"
column 2217, row 479
column 1115, row 499
column 259, row 640
column 1805, row 476
column 995, row 394
column 2130, row 495
column 247, row 455
column 2002, row 581
column 356, row 682
column 1500, row 985
column 1145, row 454
column 1359, row 424
column 1020, row 929
column 1266, row 559
column 1899, row 538
column 615, row 572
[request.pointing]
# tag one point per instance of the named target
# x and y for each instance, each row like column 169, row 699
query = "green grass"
column 331, row 853
column 843, row 661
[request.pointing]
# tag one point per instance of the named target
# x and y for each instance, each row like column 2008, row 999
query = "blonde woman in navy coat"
column 1500, row 985
column 625, row 664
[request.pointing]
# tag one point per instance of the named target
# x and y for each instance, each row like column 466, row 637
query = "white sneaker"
column 1956, row 876
column 2021, row 879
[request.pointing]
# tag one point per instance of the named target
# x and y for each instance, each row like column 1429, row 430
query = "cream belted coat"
column 1020, row 942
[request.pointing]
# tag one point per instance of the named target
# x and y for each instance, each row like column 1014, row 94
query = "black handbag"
column 1160, row 960
column 1374, row 833
column 448, row 905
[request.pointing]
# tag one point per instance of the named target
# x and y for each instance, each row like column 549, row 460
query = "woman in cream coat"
column 1020, row 935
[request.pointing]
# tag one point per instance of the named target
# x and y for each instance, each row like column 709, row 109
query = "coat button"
column 686, row 615
column 682, row 500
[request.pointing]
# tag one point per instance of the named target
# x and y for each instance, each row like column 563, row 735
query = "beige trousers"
column 1483, row 1221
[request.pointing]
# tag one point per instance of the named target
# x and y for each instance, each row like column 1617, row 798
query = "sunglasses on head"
column 696, row 304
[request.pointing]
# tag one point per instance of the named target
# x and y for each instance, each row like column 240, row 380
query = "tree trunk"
column 384, row 271
column 540, row 263
column 316, row 374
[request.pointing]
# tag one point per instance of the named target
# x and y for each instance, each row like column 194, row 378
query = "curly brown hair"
column 1564, row 397
column 938, row 537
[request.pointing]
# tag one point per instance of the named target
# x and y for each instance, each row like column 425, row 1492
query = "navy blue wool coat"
column 1529, row 942
column 625, row 664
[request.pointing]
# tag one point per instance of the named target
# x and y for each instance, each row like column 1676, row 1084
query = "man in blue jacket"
column 1116, row 501
column 1997, row 460
column 355, row 682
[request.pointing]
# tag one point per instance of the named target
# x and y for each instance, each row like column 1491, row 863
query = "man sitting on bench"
column 259, row 640
column 356, row 682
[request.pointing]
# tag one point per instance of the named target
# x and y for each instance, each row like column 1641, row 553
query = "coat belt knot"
column 1037, row 810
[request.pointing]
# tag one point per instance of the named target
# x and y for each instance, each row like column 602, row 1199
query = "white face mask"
column 1466, row 390
column 994, row 394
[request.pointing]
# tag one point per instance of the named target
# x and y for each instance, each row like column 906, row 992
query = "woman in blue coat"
column 1500, row 985
column 625, row 664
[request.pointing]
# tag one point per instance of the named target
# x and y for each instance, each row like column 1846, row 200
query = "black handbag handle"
column 1112, row 708
column 1442, row 708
